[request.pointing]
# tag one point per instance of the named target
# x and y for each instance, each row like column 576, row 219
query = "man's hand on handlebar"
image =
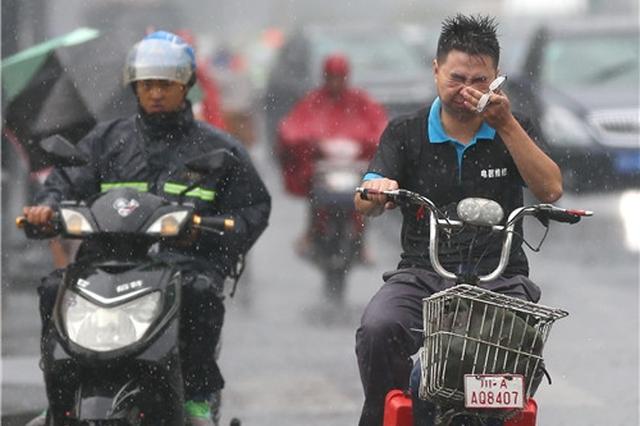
column 374, row 205
column 38, row 215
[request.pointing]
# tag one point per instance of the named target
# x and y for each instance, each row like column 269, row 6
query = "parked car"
column 579, row 81
column 383, row 63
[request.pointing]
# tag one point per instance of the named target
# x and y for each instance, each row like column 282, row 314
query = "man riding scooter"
column 148, row 151
column 332, row 111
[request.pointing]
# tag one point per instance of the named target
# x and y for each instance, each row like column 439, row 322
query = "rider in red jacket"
column 333, row 110
column 330, row 111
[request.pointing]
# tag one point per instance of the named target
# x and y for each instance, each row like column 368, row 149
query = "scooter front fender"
column 130, row 402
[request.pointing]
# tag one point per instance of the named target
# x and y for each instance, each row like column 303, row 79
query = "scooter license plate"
column 493, row 391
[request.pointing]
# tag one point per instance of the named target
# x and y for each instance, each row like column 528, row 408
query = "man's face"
column 335, row 83
column 457, row 71
column 158, row 96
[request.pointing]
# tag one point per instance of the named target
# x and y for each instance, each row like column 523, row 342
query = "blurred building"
column 24, row 23
column 569, row 7
column 234, row 20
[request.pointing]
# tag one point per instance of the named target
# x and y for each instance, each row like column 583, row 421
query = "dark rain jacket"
column 148, row 154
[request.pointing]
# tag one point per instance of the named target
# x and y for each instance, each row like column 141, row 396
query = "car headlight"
column 563, row 127
column 169, row 224
column 103, row 329
column 75, row 223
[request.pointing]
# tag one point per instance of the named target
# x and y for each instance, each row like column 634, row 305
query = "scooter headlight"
column 103, row 329
column 169, row 224
column 75, row 223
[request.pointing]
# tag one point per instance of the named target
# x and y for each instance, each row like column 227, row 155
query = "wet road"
column 288, row 356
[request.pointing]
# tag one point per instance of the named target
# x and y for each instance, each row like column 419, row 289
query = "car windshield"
column 371, row 55
column 610, row 60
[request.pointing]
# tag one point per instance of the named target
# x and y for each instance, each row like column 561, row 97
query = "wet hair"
column 473, row 35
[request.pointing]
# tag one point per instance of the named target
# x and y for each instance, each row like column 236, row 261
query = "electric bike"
column 481, row 360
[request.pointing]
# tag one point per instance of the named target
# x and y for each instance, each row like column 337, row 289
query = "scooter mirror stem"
column 65, row 176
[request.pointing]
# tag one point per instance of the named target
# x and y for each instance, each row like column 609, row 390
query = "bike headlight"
column 103, row 329
column 562, row 127
column 75, row 223
column 168, row 224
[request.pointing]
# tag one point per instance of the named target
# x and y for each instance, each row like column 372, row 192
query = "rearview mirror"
column 480, row 211
column 213, row 161
column 62, row 152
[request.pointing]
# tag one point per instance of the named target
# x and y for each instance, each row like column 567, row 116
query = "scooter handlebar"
column 217, row 223
column 39, row 232
column 21, row 222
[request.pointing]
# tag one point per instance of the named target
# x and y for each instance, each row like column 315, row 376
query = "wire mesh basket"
column 470, row 330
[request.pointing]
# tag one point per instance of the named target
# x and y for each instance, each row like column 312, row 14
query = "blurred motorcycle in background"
column 336, row 230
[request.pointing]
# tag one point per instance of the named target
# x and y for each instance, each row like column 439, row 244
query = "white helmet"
column 161, row 56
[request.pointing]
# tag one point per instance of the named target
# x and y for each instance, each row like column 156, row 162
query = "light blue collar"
column 438, row 135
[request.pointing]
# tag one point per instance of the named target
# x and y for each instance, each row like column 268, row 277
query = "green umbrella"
column 65, row 86
column 19, row 69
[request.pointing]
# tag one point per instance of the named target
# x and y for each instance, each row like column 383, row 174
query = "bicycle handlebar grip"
column 364, row 193
column 563, row 216
column 580, row 212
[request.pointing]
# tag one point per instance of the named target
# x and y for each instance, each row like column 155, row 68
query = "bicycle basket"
column 470, row 330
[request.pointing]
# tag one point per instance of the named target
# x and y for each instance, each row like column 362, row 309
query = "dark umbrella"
column 65, row 86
